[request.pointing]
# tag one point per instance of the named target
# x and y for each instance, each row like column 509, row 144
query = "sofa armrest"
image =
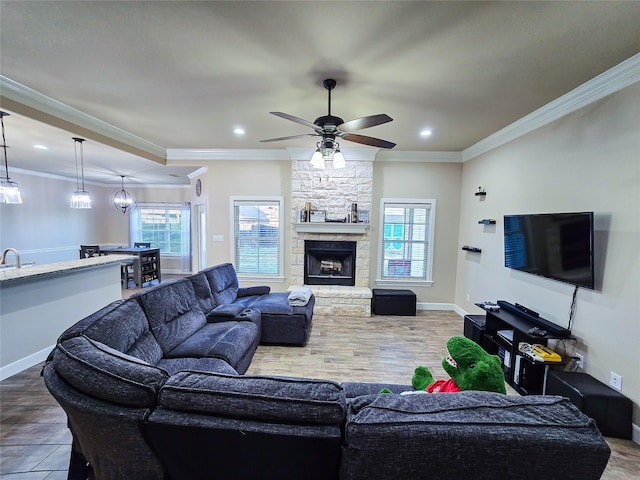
column 224, row 313
column 257, row 290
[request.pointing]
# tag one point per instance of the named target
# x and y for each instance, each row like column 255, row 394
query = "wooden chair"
column 88, row 251
column 142, row 245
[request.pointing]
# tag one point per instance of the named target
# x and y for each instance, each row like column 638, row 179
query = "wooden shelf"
column 472, row 249
column 331, row 227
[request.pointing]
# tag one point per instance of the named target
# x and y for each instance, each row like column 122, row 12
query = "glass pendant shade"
column 80, row 198
column 123, row 201
column 317, row 160
column 338, row 160
column 9, row 191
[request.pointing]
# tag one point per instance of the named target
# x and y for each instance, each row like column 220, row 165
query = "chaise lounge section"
column 153, row 388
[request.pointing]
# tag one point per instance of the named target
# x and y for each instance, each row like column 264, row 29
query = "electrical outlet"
column 468, row 297
column 579, row 360
column 616, row 381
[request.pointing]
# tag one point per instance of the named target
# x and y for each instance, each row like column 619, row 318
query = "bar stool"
column 126, row 272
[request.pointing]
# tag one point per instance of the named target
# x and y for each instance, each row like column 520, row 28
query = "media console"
column 505, row 329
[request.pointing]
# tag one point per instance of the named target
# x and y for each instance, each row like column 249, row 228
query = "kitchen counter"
column 33, row 271
column 39, row 302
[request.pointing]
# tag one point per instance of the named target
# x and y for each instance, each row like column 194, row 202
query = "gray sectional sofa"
column 153, row 388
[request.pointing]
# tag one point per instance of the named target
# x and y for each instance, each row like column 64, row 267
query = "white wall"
column 585, row 161
column 44, row 229
column 436, row 180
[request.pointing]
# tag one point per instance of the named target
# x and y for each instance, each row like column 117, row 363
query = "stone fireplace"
column 333, row 191
column 329, row 263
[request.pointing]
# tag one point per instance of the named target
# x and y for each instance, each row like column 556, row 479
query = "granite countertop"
column 34, row 271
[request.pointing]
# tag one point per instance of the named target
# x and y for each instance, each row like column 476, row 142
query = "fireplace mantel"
column 331, row 227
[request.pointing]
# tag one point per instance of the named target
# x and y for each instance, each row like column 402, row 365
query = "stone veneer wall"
column 334, row 191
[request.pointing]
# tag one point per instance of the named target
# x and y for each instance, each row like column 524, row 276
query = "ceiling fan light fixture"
column 9, row 191
column 123, row 201
column 338, row 160
column 317, row 159
column 80, row 198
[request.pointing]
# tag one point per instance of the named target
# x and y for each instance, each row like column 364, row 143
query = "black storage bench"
column 611, row 410
column 393, row 302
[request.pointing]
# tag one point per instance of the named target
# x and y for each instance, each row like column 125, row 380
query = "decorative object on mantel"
column 480, row 192
column 80, row 198
column 317, row 216
column 123, row 201
column 329, row 127
column 9, row 191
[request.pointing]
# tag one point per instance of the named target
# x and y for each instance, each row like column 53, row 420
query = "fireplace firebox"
column 329, row 263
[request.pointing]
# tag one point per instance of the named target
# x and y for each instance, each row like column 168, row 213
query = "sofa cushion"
column 107, row 374
column 226, row 340
column 173, row 312
column 469, row 435
column 203, row 293
column 271, row 399
column 206, row 364
column 123, row 326
column 224, row 283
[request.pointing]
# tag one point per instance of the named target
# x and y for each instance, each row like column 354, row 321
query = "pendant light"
column 9, row 191
column 80, row 198
column 123, row 201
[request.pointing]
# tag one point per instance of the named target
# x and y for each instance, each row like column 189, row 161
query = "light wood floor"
column 34, row 439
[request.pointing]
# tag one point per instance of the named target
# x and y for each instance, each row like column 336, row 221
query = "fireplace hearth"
column 329, row 263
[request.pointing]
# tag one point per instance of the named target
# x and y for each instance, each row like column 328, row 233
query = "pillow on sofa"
column 107, row 374
column 285, row 400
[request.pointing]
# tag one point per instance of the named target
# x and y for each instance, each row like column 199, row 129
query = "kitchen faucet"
column 4, row 255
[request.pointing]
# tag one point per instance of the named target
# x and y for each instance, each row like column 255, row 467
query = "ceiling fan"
column 329, row 127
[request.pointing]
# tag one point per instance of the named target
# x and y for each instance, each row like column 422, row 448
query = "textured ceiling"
column 183, row 74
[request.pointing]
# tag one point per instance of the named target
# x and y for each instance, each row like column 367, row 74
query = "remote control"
column 538, row 332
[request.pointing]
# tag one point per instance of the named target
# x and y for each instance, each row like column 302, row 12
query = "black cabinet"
column 504, row 331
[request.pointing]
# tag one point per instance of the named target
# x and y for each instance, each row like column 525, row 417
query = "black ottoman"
column 611, row 410
column 393, row 302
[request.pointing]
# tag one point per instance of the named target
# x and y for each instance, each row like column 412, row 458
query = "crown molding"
column 611, row 81
column 197, row 173
column 29, row 102
column 419, row 156
column 191, row 154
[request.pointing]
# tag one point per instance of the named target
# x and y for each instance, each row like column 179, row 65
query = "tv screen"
column 552, row 245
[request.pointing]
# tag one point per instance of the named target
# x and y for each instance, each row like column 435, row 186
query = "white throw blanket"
column 299, row 296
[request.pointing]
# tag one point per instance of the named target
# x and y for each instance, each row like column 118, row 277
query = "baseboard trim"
column 434, row 306
column 24, row 363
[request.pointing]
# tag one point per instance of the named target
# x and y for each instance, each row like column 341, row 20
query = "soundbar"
column 534, row 317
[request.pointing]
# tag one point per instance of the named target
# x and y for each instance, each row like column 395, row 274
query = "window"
column 406, row 241
column 257, row 236
column 166, row 226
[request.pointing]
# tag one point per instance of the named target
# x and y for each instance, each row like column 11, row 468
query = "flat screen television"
column 552, row 245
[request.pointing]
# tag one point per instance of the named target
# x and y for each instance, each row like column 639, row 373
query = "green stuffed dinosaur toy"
column 469, row 368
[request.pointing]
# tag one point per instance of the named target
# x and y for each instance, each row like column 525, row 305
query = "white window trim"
column 405, row 282
column 266, row 198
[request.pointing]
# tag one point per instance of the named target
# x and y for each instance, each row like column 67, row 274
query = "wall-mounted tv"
column 552, row 245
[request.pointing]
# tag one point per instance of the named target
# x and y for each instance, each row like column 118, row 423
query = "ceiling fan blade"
column 290, row 137
column 301, row 121
column 365, row 122
column 374, row 142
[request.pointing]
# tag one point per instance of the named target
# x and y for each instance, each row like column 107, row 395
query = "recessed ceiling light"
column 41, row 147
column 238, row 131
column 426, row 132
